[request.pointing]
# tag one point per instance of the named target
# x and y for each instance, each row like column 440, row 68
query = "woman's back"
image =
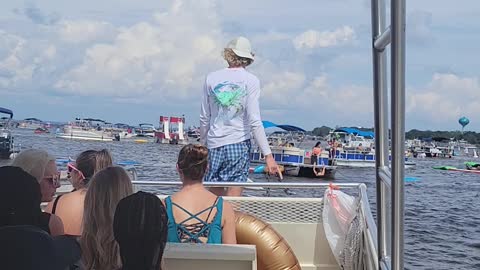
column 195, row 216
column 194, row 213
column 69, row 208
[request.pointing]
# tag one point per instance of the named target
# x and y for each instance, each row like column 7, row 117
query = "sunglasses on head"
column 71, row 167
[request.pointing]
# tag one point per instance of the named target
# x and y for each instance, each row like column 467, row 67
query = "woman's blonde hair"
column 235, row 60
column 106, row 189
column 34, row 162
column 91, row 161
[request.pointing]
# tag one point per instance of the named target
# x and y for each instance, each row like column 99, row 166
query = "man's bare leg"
column 234, row 191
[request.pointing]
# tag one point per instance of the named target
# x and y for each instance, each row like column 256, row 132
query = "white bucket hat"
column 241, row 47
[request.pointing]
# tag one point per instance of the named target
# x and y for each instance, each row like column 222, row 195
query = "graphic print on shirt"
column 229, row 96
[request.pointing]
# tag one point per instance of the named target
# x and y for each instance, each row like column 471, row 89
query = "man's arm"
column 255, row 122
column 254, row 119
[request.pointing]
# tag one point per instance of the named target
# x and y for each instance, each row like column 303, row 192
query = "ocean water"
column 442, row 215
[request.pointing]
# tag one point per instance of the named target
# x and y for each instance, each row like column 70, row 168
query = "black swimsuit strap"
column 54, row 208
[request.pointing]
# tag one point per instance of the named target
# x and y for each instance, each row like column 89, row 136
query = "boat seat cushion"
column 181, row 256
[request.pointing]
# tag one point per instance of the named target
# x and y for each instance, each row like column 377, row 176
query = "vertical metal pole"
column 398, row 129
column 381, row 124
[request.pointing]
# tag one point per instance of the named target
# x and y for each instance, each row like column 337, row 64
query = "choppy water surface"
column 442, row 226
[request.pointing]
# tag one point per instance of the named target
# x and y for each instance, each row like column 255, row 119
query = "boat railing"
column 389, row 181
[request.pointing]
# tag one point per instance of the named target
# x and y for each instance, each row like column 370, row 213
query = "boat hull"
column 355, row 163
column 82, row 137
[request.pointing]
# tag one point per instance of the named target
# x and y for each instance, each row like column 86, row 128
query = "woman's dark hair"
column 193, row 161
column 318, row 144
column 20, row 197
column 91, row 161
column 140, row 228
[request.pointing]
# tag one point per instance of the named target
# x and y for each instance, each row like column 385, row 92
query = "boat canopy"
column 32, row 119
column 91, row 120
column 354, row 131
column 6, row 111
column 268, row 124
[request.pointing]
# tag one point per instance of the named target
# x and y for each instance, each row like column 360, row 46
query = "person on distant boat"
column 333, row 150
column 360, row 147
column 196, row 215
column 69, row 207
column 316, row 152
column 106, row 189
column 20, row 198
column 319, row 173
column 140, row 229
column 229, row 113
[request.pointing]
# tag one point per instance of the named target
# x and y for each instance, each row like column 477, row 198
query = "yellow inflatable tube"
column 273, row 251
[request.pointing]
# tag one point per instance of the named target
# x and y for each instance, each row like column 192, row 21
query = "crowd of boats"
column 291, row 146
column 170, row 130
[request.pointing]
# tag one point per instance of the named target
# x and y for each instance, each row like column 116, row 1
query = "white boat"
column 85, row 129
column 296, row 161
column 121, row 131
column 361, row 159
column 146, row 130
column 31, row 123
column 352, row 138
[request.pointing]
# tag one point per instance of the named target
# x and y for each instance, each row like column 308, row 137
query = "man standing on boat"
column 230, row 112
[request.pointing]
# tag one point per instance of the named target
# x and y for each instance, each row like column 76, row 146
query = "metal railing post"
column 398, row 129
column 381, row 125
column 389, row 182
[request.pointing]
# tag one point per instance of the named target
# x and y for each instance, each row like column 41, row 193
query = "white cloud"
column 12, row 68
column 314, row 39
column 294, row 91
column 280, row 88
column 84, row 30
column 21, row 60
column 166, row 58
column 445, row 98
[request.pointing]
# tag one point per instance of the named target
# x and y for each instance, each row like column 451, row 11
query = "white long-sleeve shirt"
column 230, row 109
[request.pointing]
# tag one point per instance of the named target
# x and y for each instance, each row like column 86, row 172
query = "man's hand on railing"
column 272, row 166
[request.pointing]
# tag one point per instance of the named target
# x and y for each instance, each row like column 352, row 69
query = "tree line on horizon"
column 469, row 136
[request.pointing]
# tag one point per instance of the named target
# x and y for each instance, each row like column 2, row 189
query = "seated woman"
column 196, row 215
column 106, row 189
column 42, row 166
column 20, row 198
column 69, row 207
column 140, row 228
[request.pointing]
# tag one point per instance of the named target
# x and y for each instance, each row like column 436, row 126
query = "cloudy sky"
column 132, row 61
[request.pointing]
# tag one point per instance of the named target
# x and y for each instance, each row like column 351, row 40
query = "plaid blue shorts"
column 229, row 163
